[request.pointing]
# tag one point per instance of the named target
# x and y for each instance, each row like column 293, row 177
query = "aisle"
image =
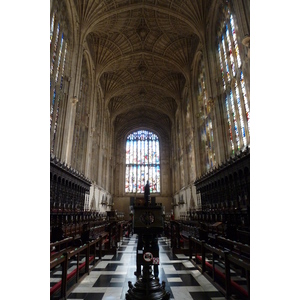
column 109, row 279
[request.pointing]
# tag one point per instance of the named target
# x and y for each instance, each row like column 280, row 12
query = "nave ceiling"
column 142, row 51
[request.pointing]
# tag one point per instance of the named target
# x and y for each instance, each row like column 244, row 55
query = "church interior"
column 158, row 91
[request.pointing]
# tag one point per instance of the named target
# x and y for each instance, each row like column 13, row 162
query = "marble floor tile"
column 107, row 256
column 174, row 279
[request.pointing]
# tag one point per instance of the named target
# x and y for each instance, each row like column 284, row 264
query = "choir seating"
column 216, row 233
column 83, row 250
column 226, row 269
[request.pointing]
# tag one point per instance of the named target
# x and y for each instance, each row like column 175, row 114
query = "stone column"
column 91, row 130
column 181, row 144
column 72, row 101
column 101, row 147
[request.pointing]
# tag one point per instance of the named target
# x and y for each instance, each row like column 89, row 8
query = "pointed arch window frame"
column 142, row 162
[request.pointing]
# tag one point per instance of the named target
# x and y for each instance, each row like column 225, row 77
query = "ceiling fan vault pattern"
column 143, row 51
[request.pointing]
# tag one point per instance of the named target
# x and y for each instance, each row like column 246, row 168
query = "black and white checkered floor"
column 109, row 278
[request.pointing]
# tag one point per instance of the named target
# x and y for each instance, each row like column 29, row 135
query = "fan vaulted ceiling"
column 142, row 51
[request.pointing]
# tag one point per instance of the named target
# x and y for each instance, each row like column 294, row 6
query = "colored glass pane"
column 52, row 27
column 157, row 152
column 139, row 179
column 240, row 114
column 139, row 152
column 63, row 67
column 229, row 122
column 54, row 50
column 221, row 65
column 59, row 57
column 230, row 51
column 245, row 101
column 234, row 120
column 205, row 123
column 235, row 41
column 146, row 153
column 225, row 59
column 131, row 152
column 52, row 107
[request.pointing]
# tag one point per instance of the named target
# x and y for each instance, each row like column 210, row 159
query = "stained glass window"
column 229, row 122
column 225, row 59
column 230, row 51
column 54, row 49
column 236, row 47
column 59, row 57
column 63, row 66
column 245, row 100
column 190, row 143
column 142, row 162
column 221, row 65
column 206, row 125
column 237, row 94
column 58, row 50
column 237, row 112
column 52, row 27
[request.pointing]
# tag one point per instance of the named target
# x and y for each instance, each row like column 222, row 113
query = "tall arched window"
column 237, row 111
column 58, row 52
column 190, row 142
column 206, row 126
column 142, row 162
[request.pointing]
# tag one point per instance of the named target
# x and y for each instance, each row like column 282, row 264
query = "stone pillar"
column 101, row 148
column 72, row 101
column 91, row 130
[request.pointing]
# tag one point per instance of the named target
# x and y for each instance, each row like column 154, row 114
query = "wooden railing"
column 92, row 242
column 199, row 253
column 92, row 251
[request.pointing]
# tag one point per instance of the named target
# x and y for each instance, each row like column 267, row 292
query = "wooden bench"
column 239, row 249
column 58, row 245
column 98, row 231
column 180, row 233
column 204, row 257
column 92, row 254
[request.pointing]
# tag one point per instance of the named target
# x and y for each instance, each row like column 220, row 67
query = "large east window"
column 142, row 162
